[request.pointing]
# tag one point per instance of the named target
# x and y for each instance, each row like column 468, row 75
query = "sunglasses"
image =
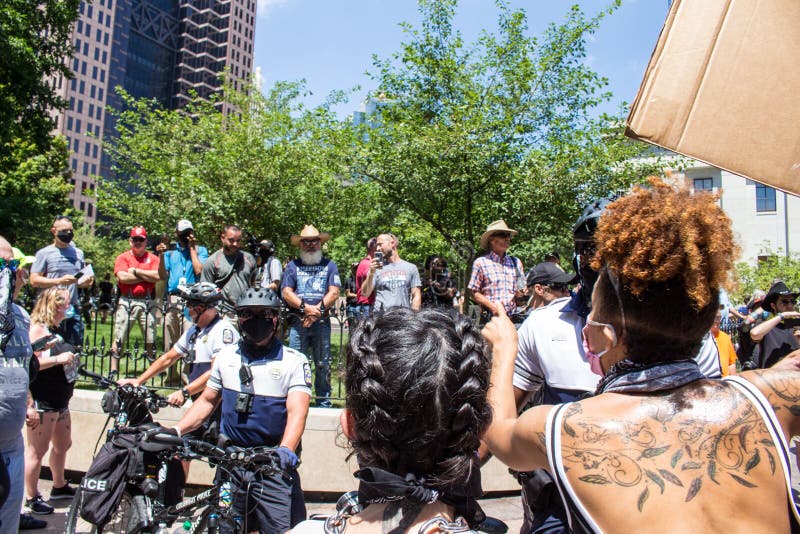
column 309, row 241
column 138, row 239
column 502, row 235
column 789, row 302
column 247, row 314
column 558, row 287
column 10, row 264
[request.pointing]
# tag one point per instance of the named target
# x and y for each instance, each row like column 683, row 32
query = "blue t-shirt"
column 311, row 282
column 178, row 263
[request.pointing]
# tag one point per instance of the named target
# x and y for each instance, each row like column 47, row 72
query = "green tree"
column 35, row 43
column 270, row 166
column 499, row 128
column 776, row 265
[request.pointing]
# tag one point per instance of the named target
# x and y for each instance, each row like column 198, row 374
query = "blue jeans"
column 14, row 460
column 72, row 330
column 315, row 342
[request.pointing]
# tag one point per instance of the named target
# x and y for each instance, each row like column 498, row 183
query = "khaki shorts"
column 131, row 311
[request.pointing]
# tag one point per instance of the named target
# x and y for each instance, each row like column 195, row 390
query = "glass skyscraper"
column 160, row 49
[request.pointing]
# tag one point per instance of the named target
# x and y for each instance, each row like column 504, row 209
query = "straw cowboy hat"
column 495, row 227
column 309, row 232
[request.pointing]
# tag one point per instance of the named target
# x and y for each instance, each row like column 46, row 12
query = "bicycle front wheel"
column 74, row 523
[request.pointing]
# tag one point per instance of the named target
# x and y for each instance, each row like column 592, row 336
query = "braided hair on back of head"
column 416, row 388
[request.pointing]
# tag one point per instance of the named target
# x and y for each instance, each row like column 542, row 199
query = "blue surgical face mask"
column 70, row 312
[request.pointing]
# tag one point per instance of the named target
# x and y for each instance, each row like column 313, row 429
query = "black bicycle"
column 142, row 508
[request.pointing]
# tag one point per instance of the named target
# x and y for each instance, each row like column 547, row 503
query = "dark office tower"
column 160, row 49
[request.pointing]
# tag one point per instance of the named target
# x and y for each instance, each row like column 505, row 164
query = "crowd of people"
column 610, row 391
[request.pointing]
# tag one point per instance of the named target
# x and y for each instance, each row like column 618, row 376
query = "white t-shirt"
column 551, row 347
column 207, row 343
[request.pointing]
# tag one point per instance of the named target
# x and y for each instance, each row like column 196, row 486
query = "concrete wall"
column 324, row 466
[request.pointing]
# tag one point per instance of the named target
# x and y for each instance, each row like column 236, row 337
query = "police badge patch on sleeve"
column 227, row 336
column 307, row 373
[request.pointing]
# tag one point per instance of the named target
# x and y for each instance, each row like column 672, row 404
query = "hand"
column 67, row 280
column 790, row 315
column 87, row 283
column 308, row 320
column 128, row 381
column 287, row 458
column 500, row 331
column 191, row 241
column 161, row 248
column 66, row 358
column 176, row 399
column 32, row 418
column 374, row 265
column 312, row 310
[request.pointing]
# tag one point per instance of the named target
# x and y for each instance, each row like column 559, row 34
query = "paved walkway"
column 507, row 508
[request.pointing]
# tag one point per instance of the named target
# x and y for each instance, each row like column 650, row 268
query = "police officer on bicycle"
column 264, row 389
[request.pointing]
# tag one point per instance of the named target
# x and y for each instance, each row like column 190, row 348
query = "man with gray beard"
column 310, row 288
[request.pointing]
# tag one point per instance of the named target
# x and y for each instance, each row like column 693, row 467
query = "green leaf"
column 656, row 479
column 642, row 498
column 654, row 451
column 742, row 481
column 670, row 477
column 594, row 479
column 694, row 488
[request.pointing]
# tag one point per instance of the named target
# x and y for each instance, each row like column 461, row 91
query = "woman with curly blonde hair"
column 51, row 392
column 659, row 447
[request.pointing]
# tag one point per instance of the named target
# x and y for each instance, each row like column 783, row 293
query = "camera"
column 244, row 403
column 791, row 322
column 379, row 257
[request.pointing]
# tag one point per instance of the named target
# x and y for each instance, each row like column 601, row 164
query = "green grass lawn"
column 97, row 347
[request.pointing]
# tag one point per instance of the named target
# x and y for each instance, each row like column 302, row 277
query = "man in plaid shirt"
column 497, row 277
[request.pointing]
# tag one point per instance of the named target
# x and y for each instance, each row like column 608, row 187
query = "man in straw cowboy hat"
column 310, row 288
column 496, row 277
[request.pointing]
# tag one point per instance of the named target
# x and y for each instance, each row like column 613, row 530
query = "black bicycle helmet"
column 257, row 296
column 202, row 292
column 586, row 224
column 267, row 246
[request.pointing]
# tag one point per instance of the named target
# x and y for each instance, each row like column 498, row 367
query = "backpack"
column 119, row 461
column 104, row 483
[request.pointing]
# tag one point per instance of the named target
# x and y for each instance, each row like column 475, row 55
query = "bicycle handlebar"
column 153, row 400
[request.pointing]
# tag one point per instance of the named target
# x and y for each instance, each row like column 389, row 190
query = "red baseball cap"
column 138, row 231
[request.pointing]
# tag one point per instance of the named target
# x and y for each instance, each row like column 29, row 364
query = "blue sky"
column 330, row 43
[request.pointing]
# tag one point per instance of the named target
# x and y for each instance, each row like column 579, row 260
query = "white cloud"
column 265, row 6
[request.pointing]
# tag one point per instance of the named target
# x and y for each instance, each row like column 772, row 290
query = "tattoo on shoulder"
column 782, row 389
column 650, row 458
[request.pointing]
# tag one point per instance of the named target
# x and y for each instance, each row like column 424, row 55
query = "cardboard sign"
column 723, row 87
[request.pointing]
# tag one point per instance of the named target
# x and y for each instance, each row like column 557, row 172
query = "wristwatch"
column 322, row 307
column 185, row 393
column 302, row 307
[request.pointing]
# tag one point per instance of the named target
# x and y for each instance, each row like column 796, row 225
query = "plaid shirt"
column 496, row 278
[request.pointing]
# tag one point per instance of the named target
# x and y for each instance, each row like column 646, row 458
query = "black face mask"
column 257, row 329
column 65, row 236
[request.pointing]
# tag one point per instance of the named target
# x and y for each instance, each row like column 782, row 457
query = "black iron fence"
column 137, row 331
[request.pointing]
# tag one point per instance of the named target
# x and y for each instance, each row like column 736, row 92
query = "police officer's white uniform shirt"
column 208, row 342
column 281, row 371
column 550, row 346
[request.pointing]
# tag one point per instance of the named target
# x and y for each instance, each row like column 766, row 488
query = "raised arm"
column 516, row 441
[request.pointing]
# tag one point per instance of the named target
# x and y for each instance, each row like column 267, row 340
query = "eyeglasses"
column 788, row 302
column 246, row 315
column 502, row 235
column 138, row 239
column 309, row 241
column 10, row 264
column 558, row 287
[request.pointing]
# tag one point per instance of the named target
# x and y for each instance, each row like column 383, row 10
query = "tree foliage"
column 775, row 265
column 269, row 166
column 35, row 44
column 498, row 128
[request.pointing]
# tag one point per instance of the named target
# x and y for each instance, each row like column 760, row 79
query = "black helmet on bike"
column 202, row 293
column 260, row 297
